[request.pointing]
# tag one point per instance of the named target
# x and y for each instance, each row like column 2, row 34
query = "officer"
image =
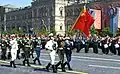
column 68, row 52
column 51, row 45
column 38, row 47
column 26, row 50
column 4, row 48
column 60, row 52
column 14, row 48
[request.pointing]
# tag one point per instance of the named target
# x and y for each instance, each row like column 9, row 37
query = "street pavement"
column 82, row 63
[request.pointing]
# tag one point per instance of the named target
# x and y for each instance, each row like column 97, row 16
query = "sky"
column 16, row 3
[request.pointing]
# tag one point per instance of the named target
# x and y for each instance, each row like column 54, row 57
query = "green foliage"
column 106, row 31
column 93, row 31
column 44, row 30
column 52, row 30
column 69, row 31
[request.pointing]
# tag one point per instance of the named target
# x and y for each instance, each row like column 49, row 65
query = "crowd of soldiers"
column 24, row 46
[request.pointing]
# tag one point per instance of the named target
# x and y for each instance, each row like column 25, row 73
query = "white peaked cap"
column 13, row 35
column 51, row 34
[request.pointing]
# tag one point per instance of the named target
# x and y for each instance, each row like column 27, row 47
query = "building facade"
column 3, row 10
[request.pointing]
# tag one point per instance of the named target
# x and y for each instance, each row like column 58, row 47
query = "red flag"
column 80, row 22
column 88, row 23
column 84, row 22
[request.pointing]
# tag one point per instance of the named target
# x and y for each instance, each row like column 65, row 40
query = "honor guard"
column 27, row 45
column 95, row 44
column 14, row 48
column 118, row 41
column 51, row 45
column 78, row 43
column 68, row 52
column 106, row 45
column 60, row 52
column 4, row 48
column 38, row 47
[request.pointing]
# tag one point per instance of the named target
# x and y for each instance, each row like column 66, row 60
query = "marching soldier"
column 14, row 48
column 60, row 52
column 37, row 45
column 52, row 46
column 78, row 43
column 26, row 50
column 95, row 44
column 68, row 52
column 4, row 48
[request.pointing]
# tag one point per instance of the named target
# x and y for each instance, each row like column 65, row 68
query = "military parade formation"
column 15, row 47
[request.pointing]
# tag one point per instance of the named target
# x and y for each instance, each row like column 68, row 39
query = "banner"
column 97, row 16
column 118, row 17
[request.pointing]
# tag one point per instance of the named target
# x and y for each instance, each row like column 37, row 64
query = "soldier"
column 26, row 50
column 33, row 46
column 118, row 41
column 38, row 47
column 78, row 43
column 60, row 52
column 106, row 43
column 4, row 48
column 51, row 45
column 14, row 48
column 68, row 52
column 95, row 44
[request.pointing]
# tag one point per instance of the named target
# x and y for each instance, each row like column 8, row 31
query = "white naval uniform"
column 49, row 46
column 14, row 48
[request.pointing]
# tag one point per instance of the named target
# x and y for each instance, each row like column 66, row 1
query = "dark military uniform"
column 68, row 53
column 60, row 52
column 37, row 46
column 4, row 49
column 26, row 50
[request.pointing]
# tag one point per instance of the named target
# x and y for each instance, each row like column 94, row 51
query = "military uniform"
column 68, row 52
column 26, row 50
column 51, row 45
column 60, row 52
column 4, row 49
column 14, row 48
column 38, row 47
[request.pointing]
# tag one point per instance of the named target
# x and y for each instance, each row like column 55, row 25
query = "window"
column 60, row 27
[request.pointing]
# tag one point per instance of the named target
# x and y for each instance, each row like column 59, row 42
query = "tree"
column 93, row 31
column 52, row 30
column 106, row 31
column 69, row 31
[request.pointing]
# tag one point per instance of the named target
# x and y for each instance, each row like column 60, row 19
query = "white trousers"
column 52, row 57
column 13, row 54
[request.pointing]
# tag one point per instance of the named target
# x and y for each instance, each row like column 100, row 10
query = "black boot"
column 34, row 61
column 14, row 64
column 23, row 62
column 56, row 66
column 63, row 67
column 69, row 68
column 39, row 61
column 47, row 67
column 28, row 63
column 11, row 63
column 54, row 70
